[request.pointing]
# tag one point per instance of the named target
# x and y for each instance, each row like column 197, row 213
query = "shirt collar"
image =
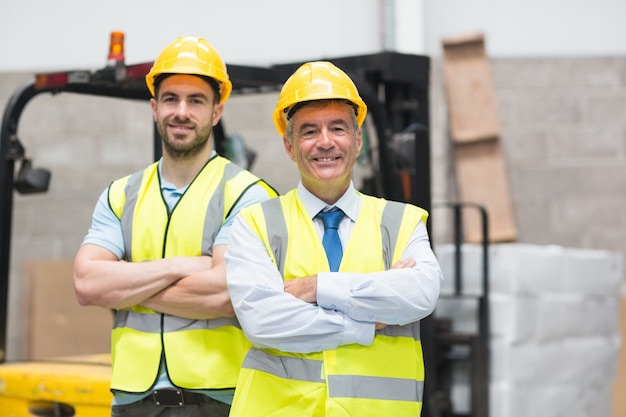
column 348, row 203
column 168, row 186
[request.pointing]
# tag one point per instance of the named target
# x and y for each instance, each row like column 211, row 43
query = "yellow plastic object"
column 317, row 81
column 73, row 386
column 191, row 55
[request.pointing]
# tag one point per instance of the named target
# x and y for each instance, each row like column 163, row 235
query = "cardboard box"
column 53, row 322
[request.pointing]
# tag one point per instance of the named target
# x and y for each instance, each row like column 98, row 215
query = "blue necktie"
column 331, row 242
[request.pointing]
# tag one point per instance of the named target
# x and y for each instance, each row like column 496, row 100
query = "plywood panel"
column 470, row 93
column 482, row 179
column 481, row 171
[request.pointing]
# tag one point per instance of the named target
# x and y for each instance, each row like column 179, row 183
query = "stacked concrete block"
column 554, row 327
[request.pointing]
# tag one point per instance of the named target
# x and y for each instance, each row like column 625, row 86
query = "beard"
column 184, row 146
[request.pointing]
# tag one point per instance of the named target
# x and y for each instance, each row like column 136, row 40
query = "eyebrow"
column 304, row 126
column 338, row 121
column 194, row 95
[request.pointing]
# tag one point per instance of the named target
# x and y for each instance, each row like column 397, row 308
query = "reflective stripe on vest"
column 352, row 386
column 374, row 387
column 385, row 378
column 132, row 191
column 145, row 323
column 199, row 354
column 287, row 367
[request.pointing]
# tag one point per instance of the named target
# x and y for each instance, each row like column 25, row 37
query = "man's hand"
column 202, row 294
column 303, row 288
column 404, row 263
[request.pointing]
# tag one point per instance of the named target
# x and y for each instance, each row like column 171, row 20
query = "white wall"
column 529, row 28
column 41, row 35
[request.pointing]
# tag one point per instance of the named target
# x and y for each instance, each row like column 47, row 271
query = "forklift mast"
column 394, row 86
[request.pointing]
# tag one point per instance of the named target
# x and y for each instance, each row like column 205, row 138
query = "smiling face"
column 325, row 142
column 185, row 113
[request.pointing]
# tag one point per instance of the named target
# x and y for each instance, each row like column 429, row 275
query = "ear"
column 153, row 105
column 359, row 141
column 289, row 148
column 217, row 113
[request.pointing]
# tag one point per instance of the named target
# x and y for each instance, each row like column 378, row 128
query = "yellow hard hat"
column 191, row 55
column 317, row 81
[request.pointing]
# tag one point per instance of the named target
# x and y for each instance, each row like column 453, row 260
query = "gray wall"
column 564, row 138
column 563, row 134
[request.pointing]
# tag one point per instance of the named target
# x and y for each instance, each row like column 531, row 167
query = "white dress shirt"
column 348, row 304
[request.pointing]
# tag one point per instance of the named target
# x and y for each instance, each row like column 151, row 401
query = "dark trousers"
column 205, row 407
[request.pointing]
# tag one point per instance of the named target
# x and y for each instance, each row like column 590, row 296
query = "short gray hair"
column 317, row 103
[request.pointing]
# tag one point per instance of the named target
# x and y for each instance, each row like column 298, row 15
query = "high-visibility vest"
column 383, row 379
column 199, row 354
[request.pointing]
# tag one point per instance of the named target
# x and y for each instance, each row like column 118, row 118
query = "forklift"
column 395, row 88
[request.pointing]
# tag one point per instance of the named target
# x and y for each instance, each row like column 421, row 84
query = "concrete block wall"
column 564, row 136
column 563, row 133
